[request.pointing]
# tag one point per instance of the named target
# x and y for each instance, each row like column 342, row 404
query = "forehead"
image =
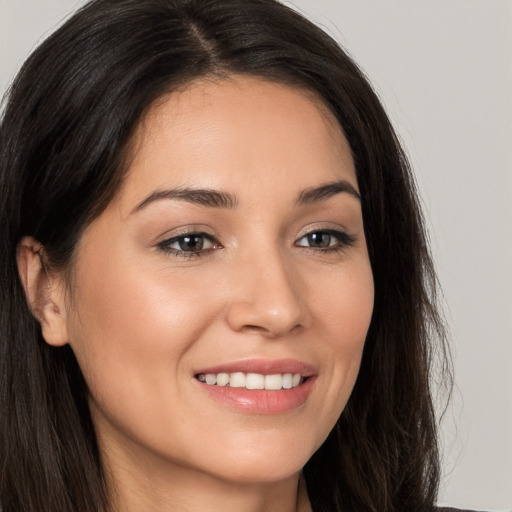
column 237, row 132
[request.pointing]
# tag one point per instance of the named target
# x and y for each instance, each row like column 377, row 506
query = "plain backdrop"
column 443, row 69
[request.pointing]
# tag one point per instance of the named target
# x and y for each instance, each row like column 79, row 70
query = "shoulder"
column 449, row 509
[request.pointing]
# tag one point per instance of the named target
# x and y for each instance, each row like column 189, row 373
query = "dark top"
column 449, row 509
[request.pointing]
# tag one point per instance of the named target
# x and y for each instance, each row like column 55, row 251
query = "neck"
column 139, row 484
column 199, row 492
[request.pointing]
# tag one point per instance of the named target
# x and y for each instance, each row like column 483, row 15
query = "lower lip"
column 261, row 401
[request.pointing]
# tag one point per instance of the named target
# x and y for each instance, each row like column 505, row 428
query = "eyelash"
column 165, row 245
column 344, row 240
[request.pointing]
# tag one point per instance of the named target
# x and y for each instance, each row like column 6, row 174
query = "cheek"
column 133, row 325
column 344, row 310
column 131, row 337
column 344, row 305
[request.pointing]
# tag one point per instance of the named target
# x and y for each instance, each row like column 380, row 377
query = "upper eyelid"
column 175, row 237
column 190, row 233
column 187, row 230
column 325, row 229
column 199, row 230
column 192, row 230
column 329, row 231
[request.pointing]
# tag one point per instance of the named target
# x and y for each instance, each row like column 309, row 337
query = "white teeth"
column 252, row 380
column 222, row 379
column 211, row 378
column 287, row 380
column 273, row 381
column 255, row 381
column 237, row 380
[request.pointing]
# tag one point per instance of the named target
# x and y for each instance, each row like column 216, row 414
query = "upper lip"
column 262, row 366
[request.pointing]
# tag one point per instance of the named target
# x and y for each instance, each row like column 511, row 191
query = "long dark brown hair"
column 64, row 131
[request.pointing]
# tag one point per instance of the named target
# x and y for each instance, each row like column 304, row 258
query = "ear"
column 45, row 292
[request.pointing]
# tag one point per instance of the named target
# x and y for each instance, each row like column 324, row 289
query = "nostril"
column 269, row 331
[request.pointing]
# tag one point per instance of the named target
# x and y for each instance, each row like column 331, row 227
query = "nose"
column 268, row 297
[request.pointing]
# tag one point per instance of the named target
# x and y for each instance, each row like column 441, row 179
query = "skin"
column 143, row 318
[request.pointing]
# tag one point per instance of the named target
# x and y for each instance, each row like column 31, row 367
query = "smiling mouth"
column 252, row 381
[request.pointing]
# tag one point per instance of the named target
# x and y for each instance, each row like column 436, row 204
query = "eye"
column 189, row 244
column 326, row 240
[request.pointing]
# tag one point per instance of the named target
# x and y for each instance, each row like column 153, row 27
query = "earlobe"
column 44, row 292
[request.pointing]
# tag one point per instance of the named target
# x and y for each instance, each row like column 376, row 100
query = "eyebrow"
column 219, row 199
column 326, row 191
column 201, row 196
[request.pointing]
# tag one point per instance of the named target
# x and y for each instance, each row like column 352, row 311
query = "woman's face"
column 234, row 250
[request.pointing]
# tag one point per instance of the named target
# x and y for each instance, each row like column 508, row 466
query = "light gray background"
column 443, row 68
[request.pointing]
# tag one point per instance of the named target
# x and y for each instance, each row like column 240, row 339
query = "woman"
column 217, row 291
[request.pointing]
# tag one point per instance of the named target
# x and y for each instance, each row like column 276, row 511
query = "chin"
column 257, row 471
column 261, row 462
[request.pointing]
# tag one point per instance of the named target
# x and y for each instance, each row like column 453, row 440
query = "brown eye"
column 320, row 239
column 326, row 240
column 188, row 244
column 191, row 243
